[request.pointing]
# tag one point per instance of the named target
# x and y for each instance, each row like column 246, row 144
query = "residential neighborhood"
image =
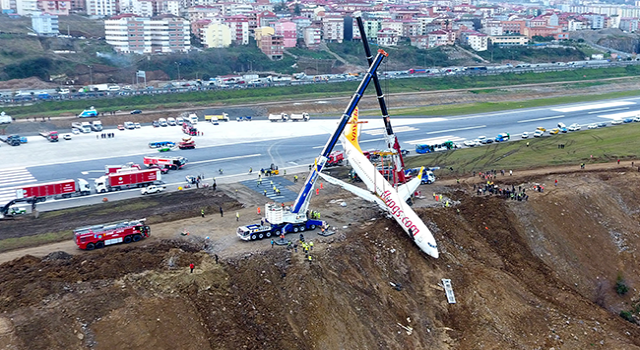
column 171, row 26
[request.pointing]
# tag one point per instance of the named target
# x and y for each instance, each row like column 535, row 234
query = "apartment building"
column 101, row 8
column 333, row 28
column 142, row 35
column 313, row 36
column 272, row 46
column 55, row 7
column 45, row 24
column 509, row 40
column 239, row 25
column 287, row 30
column 476, row 40
column 216, row 35
column 27, row 7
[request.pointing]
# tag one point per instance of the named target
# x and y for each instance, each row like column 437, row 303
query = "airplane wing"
column 362, row 193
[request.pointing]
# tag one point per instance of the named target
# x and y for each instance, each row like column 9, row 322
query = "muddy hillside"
column 541, row 273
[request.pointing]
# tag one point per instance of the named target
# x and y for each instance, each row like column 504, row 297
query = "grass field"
column 209, row 98
column 34, row 241
column 585, row 146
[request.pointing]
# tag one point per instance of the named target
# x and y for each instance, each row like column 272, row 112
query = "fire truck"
column 189, row 129
column 98, row 236
column 172, row 163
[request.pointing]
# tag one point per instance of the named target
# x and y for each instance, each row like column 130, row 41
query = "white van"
column 171, row 121
column 162, row 122
column 179, row 121
column 193, row 118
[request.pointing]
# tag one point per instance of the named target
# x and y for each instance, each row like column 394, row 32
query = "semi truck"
column 224, row 117
column 57, row 189
column 173, row 163
column 124, row 180
column 274, row 225
column 13, row 140
column 99, row 236
column 299, row 117
column 278, row 117
column 52, row 136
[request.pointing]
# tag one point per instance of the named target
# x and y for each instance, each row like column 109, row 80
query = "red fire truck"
column 172, row 163
column 98, row 236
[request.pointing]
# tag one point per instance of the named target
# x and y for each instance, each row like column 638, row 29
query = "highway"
column 237, row 146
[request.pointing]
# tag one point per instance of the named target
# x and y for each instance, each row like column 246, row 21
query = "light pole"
column 178, row 65
column 90, row 75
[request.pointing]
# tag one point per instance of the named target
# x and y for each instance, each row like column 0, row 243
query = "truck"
column 278, row 117
column 83, row 127
column 335, row 158
column 187, row 143
column 173, row 163
column 99, row 236
column 193, row 118
column 503, row 137
column 224, row 117
column 13, row 140
column 96, row 125
column 151, row 189
column 51, row 136
column 189, row 129
column 274, row 226
column 299, row 117
column 5, row 119
column 57, row 189
column 124, row 180
column 88, row 113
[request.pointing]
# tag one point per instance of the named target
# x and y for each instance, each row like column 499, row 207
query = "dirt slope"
column 536, row 274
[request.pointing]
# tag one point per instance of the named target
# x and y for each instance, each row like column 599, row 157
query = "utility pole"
column 90, row 75
column 178, row 65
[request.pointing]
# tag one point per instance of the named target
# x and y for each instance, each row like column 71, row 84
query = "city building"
column 216, row 35
column 239, row 25
column 312, row 37
column 333, row 28
column 387, row 37
column 129, row 33
column 287, row 30
column 476, row 40
column 55, row 7
column 509, row 40
column 272, row 46
column 101, row 8
column 45, row 24
column 27, row 7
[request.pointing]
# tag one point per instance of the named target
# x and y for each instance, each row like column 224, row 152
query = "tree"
column 296, row 10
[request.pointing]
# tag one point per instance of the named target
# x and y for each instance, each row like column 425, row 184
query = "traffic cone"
column 321, row 186
column 258, row 210
column 317, row 191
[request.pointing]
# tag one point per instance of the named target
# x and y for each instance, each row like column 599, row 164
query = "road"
column 236, row 147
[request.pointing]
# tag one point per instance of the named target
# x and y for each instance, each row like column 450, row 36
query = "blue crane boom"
column 302, row 201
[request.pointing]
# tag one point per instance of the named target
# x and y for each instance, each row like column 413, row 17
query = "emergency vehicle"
column 99, row 236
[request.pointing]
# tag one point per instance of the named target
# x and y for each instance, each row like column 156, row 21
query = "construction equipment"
column 283, row 219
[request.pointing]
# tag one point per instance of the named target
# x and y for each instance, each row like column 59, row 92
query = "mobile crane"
column 281, row 219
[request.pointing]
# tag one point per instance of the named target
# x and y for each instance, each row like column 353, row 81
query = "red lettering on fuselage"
column 398, row 212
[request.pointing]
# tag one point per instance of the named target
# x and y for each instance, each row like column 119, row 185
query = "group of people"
column 107, row 135
column 513, row 193
column 492, row 174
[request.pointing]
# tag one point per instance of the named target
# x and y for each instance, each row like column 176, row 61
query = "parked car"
column 470, row 143
column 554, row 131
column 538, row 133
column 137, row 125
column 155, row 124
column 75, row 131
column 171, row 121
column 120, row 127
column 575, row 127
column 541, row 129
column 592, row 126
column 525, row 135
column 66, row 136
column 136, row 111
column 602, row 124
column 179, row 121
column 129, row 125
column 628, row 120
column 151, row 189
column 616, row 122
column 636, row 119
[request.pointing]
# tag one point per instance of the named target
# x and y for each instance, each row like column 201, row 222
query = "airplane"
column 381, row 192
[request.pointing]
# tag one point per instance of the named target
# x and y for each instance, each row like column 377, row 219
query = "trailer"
column 58, row 189
column 51, row 136
column 99, row 236
column 125, row 180
column 274, row 226
column 13, row 140
column 224, row 117
column 112, row 169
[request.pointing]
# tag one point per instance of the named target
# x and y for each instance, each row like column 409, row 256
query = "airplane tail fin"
column 352, row 132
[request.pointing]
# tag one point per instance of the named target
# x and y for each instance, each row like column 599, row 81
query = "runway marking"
column 227, row 158
column 619, row 115
column 435, row 140
column 593, row 106
column 458, row 129
column 396, row 130
column 536, row 119
column 609, row 110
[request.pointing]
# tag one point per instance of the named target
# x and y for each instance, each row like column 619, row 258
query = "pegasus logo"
column 395, row 209
column 353, row 128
